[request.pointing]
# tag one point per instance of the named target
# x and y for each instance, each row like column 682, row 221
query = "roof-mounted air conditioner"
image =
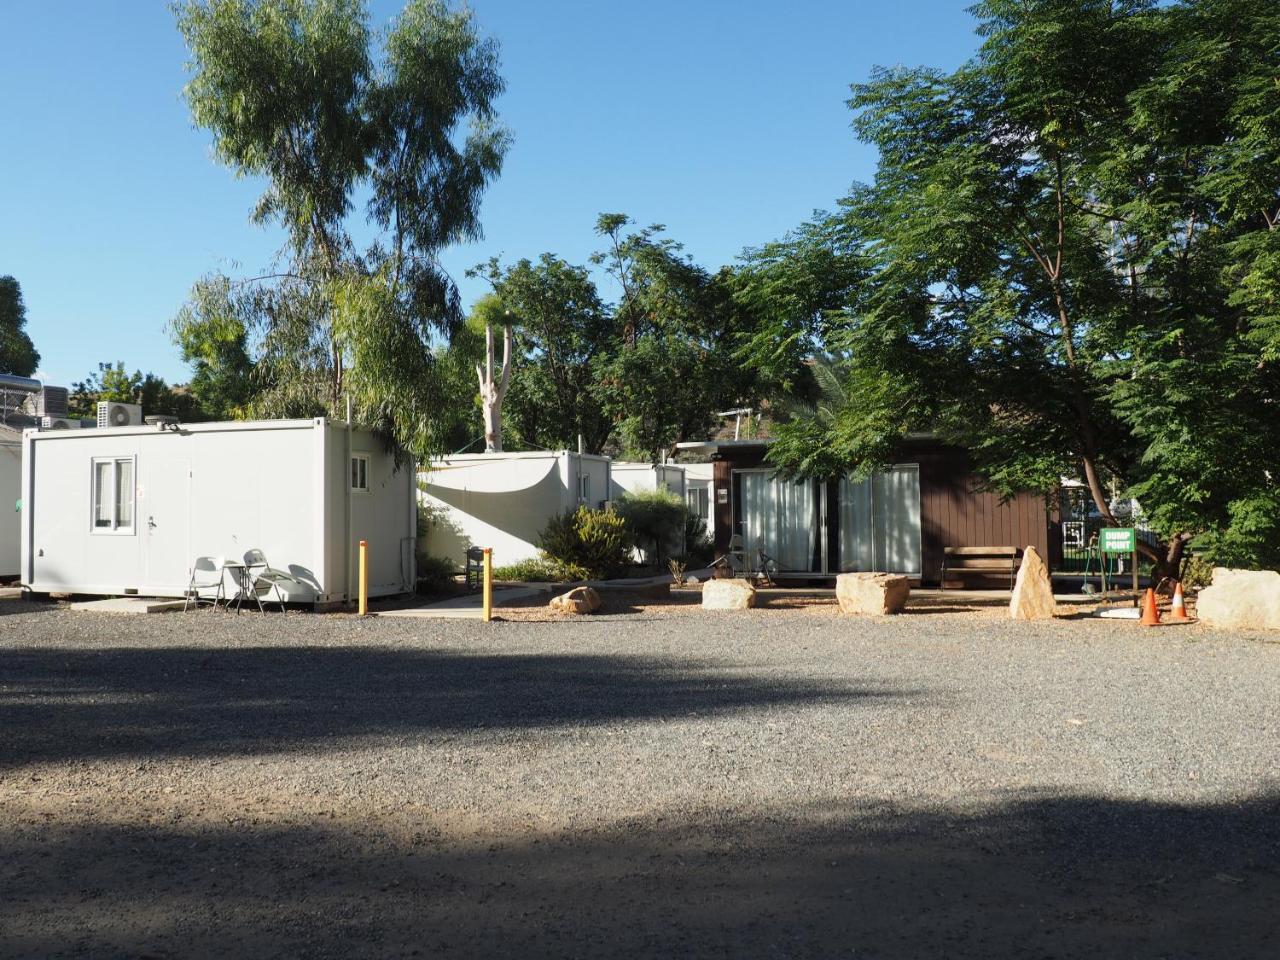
column 58, row 423
column 112, row 414
column 48, row 402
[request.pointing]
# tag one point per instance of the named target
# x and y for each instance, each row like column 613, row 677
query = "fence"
column 1079, row 523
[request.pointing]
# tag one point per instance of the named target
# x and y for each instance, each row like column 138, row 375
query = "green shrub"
column 1196, row 571
column 655, row 519
column 435, row 574
column 592, row 541
column 699, row 549
column 540, row 570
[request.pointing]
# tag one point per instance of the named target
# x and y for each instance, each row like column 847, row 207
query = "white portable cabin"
column 504, row 500
column 700, row 494
column 127, row 510
column 10, row 492
column 629, row 477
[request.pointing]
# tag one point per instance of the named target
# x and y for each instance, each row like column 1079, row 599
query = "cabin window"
column 360, row 472
column 699, row 502
column 584, row 488
column 113, row 495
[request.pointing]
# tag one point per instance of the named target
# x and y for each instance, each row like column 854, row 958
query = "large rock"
column 872, row 593
column 577, row 600
column 1033, row 590
column 1241, row 600
column 728, row 595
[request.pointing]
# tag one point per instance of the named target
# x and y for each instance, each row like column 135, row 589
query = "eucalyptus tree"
column 1065, row 262
column 18, row 354
column 305, row 96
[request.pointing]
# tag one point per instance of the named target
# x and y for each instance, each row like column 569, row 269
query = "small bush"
column 655, row 520
column 435, row 574
column 677, row 568
column 699, row 549
column 539, row 570
column 1196, row 571
column 592, row 541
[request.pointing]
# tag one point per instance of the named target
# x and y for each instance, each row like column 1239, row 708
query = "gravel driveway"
column 767, row 783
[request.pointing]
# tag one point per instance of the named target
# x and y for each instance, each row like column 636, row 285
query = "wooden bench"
column 982, row 561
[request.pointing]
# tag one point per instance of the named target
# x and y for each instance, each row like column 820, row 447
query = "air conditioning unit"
column 111, row 414
column 58, row 423
column 48, row 402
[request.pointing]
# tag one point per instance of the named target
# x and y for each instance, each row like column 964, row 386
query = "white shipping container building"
column 627, row 477
column 10, row 491
column 126, row 510
column 504, row 500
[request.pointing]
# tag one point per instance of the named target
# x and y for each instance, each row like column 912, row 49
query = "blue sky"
column 723, row 120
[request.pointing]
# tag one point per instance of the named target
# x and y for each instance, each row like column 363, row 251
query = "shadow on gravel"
column 1038, row 877
column 58, row 704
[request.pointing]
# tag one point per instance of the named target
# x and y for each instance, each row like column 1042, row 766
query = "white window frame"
column 584, row 488
column 698, row 497
column 363, row 459
column 116, row 529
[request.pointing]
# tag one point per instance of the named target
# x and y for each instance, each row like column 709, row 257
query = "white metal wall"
column 502, row 500
column 10, row 491
column 248, row 485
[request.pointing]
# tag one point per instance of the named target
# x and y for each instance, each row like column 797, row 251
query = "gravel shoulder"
column 655, row 781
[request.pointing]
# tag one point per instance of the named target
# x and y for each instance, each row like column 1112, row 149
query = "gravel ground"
column 657, row 781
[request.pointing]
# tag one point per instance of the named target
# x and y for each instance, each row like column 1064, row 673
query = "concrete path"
column 468, row 606
column 134, row 605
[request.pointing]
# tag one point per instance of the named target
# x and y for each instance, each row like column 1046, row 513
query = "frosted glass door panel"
column 781, row 515
column 880, row 522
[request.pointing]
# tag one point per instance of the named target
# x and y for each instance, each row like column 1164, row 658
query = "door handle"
column 151, row 522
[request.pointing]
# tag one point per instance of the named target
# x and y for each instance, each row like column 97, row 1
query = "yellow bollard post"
column 488, row 584
column 364, row 578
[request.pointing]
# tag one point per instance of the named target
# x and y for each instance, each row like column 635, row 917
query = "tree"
column 562, row 328
column 487, row 312
column 303, row 95
column 17, row 353
column 113, row 383
column 213, row 333
column 1047, row 266
column 674, row 364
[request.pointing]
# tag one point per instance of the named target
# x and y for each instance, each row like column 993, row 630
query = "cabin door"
column 165, row 511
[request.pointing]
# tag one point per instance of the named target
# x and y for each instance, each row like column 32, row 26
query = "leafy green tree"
column 562, row 328
column 212, row 331
column 1062, row 264
column 113, row 383
column 674, row 365
column 17, row 353
column 302, row 94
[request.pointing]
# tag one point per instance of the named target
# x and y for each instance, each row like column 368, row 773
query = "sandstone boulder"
column 577, row 600
column 1033, row 590
column 876, row 594
column 1241, row 600
column 728, row 595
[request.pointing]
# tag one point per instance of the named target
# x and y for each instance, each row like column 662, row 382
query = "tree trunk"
column 492, row 391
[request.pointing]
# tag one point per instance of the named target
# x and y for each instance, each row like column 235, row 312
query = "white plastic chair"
column 265, row 579
column 207, row 573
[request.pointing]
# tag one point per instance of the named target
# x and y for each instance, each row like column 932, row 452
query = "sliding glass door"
column 880, row 522
column 779, row 516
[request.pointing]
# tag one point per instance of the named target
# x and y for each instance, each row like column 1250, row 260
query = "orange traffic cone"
column 1179, row 610
column 1150, row 615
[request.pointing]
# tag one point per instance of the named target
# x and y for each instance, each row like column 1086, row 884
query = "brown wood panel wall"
column 955, row 513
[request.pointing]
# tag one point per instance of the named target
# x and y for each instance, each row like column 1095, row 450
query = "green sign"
column 1117, row 539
